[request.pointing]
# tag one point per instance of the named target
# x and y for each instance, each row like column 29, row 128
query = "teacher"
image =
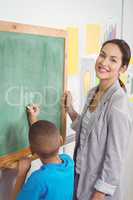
column 103, row 128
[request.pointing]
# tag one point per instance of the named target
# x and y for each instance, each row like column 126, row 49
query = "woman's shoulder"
column 119, row 97
column 120, row 104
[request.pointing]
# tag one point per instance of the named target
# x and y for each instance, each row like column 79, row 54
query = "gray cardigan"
column 104, row 151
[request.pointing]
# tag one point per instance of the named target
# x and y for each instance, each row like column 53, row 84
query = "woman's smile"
column 103, row 69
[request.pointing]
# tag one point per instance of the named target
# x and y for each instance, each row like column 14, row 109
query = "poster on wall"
column 87, row 76
column 129, row 84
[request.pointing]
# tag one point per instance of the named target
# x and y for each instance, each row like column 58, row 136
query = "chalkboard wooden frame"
column 10, row 160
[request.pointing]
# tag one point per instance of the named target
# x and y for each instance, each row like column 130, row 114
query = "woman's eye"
column 102, row 55
column 113, row 60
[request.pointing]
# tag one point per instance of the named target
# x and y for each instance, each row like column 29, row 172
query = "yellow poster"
column 131, row 61
column 87, row 81
column 131, row 99
column 73, row 51
column 124, row 77
column 93, row 35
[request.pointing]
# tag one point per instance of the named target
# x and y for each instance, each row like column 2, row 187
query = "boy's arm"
column 23, row 168
column 33, row 112
column 33, row 189
column 18, row 185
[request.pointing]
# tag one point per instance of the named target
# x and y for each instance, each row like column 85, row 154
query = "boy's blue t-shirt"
column 50, row 182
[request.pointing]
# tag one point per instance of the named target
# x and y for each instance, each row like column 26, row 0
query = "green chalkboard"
column 31, row 71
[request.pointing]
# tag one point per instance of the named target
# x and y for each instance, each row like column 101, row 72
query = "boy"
column 55, row 179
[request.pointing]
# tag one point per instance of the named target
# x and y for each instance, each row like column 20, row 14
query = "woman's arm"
column 72, row 113
column 119, row 127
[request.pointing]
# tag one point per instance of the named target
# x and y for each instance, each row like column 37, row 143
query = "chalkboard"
column 32, row 70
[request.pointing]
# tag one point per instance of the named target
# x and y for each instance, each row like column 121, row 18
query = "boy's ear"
column 32, row 151
column 123, row 69
column 61, row 140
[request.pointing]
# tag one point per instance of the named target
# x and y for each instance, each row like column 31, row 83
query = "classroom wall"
column 63, row 14
column 59, row 13
column 127, row 22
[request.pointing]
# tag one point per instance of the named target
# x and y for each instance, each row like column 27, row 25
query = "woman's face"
column 109, row 62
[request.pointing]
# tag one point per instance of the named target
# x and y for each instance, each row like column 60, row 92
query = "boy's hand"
column 33, row 112
column 24, row 166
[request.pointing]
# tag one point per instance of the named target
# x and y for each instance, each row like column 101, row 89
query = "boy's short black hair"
column 44, row 138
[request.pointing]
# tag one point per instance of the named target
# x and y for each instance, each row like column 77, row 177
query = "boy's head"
column 44, row 139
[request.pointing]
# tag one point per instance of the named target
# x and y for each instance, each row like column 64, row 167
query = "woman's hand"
column 33, row 112
column 98, row 196
column 67, row 103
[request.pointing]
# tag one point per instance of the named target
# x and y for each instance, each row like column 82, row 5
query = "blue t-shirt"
column 50, row 182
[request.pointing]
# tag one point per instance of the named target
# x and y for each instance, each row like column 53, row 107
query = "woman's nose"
column 104, row 61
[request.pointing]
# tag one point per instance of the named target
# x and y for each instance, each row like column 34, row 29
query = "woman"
column 103, row 128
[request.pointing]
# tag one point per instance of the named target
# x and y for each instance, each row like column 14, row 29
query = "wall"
column 127, row 22
column 61, row 14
